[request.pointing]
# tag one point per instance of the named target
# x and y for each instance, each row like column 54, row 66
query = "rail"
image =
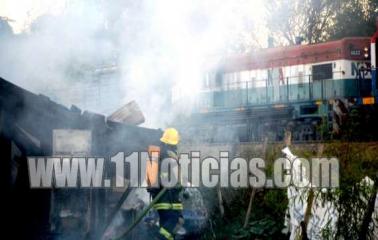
column 283, row 90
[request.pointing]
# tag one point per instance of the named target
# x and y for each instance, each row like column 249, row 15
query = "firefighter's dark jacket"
column 172, row 194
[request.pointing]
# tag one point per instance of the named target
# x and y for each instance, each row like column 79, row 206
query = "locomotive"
column 307, row 89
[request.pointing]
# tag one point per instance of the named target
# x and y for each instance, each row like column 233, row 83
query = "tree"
column 320, row 20
column 355, row 18
column 309, row 19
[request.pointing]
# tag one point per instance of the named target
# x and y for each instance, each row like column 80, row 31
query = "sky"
column 22, row 12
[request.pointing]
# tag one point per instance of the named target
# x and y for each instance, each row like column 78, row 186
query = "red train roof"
column 347, row 48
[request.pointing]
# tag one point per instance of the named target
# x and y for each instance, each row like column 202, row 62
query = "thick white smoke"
column 155, row 46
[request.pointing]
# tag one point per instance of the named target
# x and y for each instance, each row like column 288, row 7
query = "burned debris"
column 33, row 125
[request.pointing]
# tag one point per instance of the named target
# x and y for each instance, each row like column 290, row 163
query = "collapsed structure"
column 33, row 125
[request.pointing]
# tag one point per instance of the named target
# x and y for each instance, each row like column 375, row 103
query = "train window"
column 244, row 76
column 218, row 79
column 206, row 81
column 253, row 83
column 243, row 134
column 218, row 99
column 322, row 71
column 309, row 109
column 300, row 78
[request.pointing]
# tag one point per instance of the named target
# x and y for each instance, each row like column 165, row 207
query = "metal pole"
column 266, row 91
column 247, row 103
column 287, row 88
column 117, row 207
column 309, row 87
column 140, row 217
column 373, row 81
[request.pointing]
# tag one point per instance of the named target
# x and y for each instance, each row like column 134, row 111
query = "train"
column 309, row 90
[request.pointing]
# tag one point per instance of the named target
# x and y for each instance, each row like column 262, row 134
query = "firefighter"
column 169, row 207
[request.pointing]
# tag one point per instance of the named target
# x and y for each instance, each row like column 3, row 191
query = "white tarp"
column 323, row 213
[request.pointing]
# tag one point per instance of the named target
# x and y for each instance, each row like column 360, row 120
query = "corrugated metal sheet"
column 129, row 113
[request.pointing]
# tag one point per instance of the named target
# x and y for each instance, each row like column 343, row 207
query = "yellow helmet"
column 170, row 136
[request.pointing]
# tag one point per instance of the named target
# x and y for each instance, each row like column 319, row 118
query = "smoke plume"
column 99, row 55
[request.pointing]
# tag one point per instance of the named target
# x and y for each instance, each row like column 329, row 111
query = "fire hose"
column 116, row 209
column 141, row 215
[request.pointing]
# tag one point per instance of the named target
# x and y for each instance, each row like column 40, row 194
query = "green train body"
column 306, row 89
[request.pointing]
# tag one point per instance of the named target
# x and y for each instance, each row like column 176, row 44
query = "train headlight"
column 366, row 52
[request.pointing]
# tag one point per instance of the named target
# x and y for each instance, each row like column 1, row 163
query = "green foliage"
column 276, row 202
column 354, row 18
column 324, row 130
column 310, row 19
column 320, row 20
column 361, row 124
column 266, row 221
column 265, row 228
column 357, row 160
